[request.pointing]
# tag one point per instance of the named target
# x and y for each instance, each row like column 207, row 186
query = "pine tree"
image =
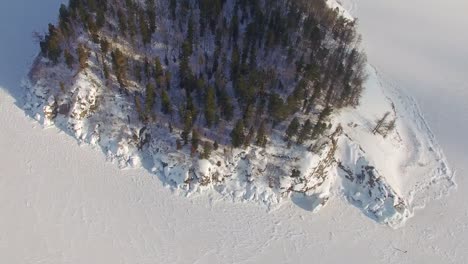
column 64, row 14
column 186, row 131
column 319, row 129
column 150, row 97
column 305, row 132
column 210, row 107
column 50, row 46
column 168, row 80
column 120, row 67
column 185, row 72
column 207, row 149
column 277, row 108
column 195, row 139
column 93, row 29
column 104, row 46
column 191, row 33
column 105, row 69
column 172, row 8
column 237, row 134
column 145, row 31
column 100, row 18
column 83, row 55
column 151, row 13
column 249, row 136
column 320, row 126
column 166, row 106
column 261, row 139
column 234, row 27
column 64, row 19
column 293, row 128
column 227, row 107
column 235, row 65
column 69, row 59
column 91, row 5
column 188, row 117
column 158, row 69
column 139, row 109
column 137, row 72
column 122, row 22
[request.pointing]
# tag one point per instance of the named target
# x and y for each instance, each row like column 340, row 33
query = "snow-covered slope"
column 381, row 172
column 407, row 163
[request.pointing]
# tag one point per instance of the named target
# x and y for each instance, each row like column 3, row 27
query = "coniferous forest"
column 228, row 70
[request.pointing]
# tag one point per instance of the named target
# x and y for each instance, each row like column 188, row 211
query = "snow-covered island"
column 209, row 97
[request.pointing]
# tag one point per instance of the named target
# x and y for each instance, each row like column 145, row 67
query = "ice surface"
column 87, row 211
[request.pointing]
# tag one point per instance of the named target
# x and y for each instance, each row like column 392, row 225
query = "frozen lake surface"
column 61, row 203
